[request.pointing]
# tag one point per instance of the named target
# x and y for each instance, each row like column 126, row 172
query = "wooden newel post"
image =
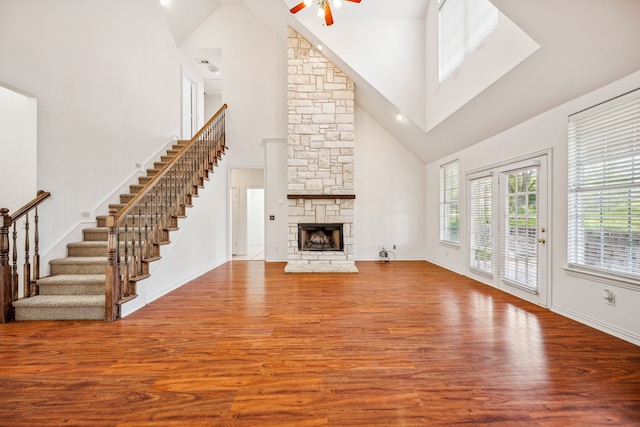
column 6, row 292
column 112, row 294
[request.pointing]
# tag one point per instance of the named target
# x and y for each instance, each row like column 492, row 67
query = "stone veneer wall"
column 320, row 153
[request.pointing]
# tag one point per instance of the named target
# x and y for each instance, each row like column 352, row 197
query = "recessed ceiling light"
column 399, row 117
column 164, row 3
column 319, row 47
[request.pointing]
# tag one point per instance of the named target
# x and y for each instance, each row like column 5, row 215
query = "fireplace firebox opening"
column 320, row 237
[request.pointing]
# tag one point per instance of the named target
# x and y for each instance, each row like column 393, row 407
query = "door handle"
column 543, row 241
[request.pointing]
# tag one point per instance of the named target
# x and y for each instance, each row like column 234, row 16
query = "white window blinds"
column 480, row 225
column 463, row 26
column 449, row 218
column 604, row 187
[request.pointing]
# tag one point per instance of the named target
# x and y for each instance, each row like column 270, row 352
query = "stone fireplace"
column 320, row 147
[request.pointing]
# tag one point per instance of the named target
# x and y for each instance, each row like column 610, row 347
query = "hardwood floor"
column 398, row 344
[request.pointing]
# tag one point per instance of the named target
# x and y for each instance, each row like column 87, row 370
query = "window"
column 604, row 187
column 449, row 220
column 463, row 26
column 480, row 224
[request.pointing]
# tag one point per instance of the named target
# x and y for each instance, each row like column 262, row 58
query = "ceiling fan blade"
column 354, row 1
column 328, row 18
column 297, row 8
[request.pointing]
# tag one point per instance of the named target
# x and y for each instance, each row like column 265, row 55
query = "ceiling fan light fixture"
column 324, row 8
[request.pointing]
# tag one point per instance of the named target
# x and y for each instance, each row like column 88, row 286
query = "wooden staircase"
column 75, row 288
column 78, row 286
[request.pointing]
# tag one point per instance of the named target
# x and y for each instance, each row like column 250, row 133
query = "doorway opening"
column 247, row 214
column 189, row 107
column 18, row 163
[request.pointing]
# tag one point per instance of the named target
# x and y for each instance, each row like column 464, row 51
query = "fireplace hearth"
column 320, row 237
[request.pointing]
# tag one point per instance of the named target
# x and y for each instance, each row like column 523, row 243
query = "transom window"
column 463, row 26
column 604, row 187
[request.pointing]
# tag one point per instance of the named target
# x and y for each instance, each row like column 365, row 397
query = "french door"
column 523, row 229
column 508, row 228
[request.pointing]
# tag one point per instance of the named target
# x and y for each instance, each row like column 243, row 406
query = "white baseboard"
column 597, row 324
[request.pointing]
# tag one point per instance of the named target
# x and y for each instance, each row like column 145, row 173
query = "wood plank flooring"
column 398, row 344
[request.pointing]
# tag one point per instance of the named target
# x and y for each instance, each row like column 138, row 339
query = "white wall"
column 389, row 54
column 18, row 145
column 254, row 85
column 276, row 204
column 578, row 298
column 212, row 104
column 390, row 194
column 107, row 77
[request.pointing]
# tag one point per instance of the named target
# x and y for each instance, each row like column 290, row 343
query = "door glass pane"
column 481, row 228
column 520, row 258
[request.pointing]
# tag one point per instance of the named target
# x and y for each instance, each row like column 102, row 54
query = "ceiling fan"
column 324, row 8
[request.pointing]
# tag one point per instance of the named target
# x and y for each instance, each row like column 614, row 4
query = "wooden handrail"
column 143, row 223
column 9, row 273
column 41, row 197
column 145, row 190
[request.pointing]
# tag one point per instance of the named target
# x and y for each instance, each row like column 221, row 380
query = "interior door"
column 524, row 234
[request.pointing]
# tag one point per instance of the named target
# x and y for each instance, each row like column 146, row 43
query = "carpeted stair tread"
column 79, row 265
column 61, row 301
column 88, row 244
column 60, row 279
column 88, row 248
column 60, row 307
column 81, row 260
column 72, row 284
column 95, row 248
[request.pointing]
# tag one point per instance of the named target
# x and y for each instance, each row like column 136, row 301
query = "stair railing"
column 9, row 276
column 138, row 230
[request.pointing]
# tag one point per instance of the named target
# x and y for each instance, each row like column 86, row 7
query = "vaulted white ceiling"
column 583, row 45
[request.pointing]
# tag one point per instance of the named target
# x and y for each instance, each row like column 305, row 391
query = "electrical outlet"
column 87, row 215
column 394, row 246
column 609, row 297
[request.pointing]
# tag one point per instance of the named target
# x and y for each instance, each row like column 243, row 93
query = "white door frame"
column 540, row 239
column 544, row 158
